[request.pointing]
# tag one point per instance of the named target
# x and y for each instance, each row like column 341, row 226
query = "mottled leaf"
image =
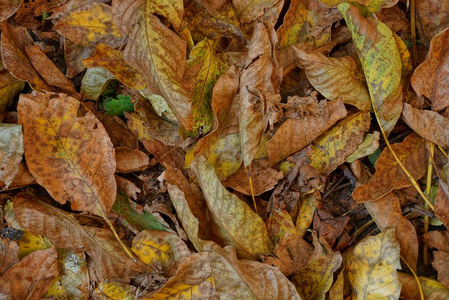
column 368, row 146
column 11, row 151
column 372, row 5
column 433, row 290
column 94, row 82
column 432, row 18
column 71, row 156
column 306, row 213
column 381, row 62
column 115, row 291
column 9, row 88
column 249, row 10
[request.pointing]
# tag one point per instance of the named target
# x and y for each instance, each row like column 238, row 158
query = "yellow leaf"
column 74, row 277
column 368, row 146
column 308, row 22
column 72, row 157
column 332, row 147
column 89, row 25
column 107, row 57
column 432, row 289
column 279, row 224
column 202, row 72
column 219, row 274
column 306, row 213
column 115, row 291
column 94, row 82
column 159, row 248
column 156, row 52
column 372, row 266
column 335, row 77
column 381, row 62
column 249, row 10
column 171, row 9
column 9, row 88
column 314, row 280
column 236, row 223
column 372, row 5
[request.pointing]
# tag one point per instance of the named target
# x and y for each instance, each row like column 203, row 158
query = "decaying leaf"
column 70, row 156
column 432, row 18
column 219, row 273
column 306, row 213
column 9, row 88
column 235, row 222
column 23, row 178
column 368, row 146
column 115, row 291
column 431, row 77
column 11, row 151
column 8, row 254
column 9, row 7
column 335, row 77
column 248, row 10
column 389, row 175
column 94, row 82
column 381, row 62
column 373, row 264
column 108, row 260
column 432, row 289
column 372, row 5
column 130, row 160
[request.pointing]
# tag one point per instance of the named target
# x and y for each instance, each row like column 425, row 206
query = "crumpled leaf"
column 294, row 134
column 221, row 146
column 308, row 22
column 335, row 77
column 159, row 249
column 314, row 280
column 332, row 147
column 107, row 57
column 108, row 259
column 389, row 175
column 14, row 40
column 130, row 160
column 115, row 291
column 259, row 82
column 89, row 25
column 235, row 222
column 31, row 277
column 156, row 52
column 373, row 264
column 70, row 156
column 11, row 151
column 203, row 68
column 429, row 124
column 381, row 62
column 94, row 82
column 9, row 7
column 219, row 274
column 249, row 10
column 9, row 88
column 431, row 77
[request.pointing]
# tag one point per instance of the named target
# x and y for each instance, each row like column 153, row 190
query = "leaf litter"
column 211, row 149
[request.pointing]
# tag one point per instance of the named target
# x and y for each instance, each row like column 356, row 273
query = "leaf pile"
column 200, row 149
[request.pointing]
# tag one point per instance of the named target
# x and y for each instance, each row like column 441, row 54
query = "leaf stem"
column 428, row 186
column 251, row 188
column 105, row 217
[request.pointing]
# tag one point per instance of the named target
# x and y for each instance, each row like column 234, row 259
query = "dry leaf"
column 118, row 131
column 249, row 10
column 71, row 156
column 433, row 290
column 381, row 62
column 306, row 213
column 432, row 18
column 373, row 264
column 108, row 259
column 235, row 222
column 9, row 88
column 9, row 7
column 74, row 54
column 8, row 254
column 431, row 77
column 94, row 82
column 23, row 178
column 389, row 175
column 11, row 151
column 115, row 291
column 130, row 160
column 130, row 189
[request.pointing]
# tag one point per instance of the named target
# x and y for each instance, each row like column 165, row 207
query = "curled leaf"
column 11, row 151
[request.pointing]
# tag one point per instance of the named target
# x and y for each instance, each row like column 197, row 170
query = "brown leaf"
column 13, row 44
column 432, row 289
column 22, row 178
column 389, row 175
column 437, row 239
column 441, row 207
column 130, row 189
column 259, row 83
column 249, row 10
column 432, row 18
column 51, row 74
column 441, row 264
column 108, row 259
column 9, row 7
column 429, row 124
column 130, row 160
column 31, row 277
column 295, row 134
column 9, row 88
column 11, row 152
column 74, row 54
column 71, row 156
column 118, row 131
column 8, row 254
column 431, row 77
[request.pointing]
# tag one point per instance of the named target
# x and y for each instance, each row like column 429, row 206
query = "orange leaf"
column 130, row 160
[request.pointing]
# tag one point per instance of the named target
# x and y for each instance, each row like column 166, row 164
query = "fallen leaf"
column 295, row 134
column 332, row 147
column 432, row 18
column 8, row 254
column 107, row 57
column 11, row 152
column 23, row 178
column 130, row 160
column 306, row 213
column 259, row 81
column 115, row 291
column 335, row 77
column 108, row 259
column 430, row 77
column 314, row 280
column 219, row 273
column 433, row 290
column 74, row 54
column 368, row 146
column 308, row 22
column 9, row 7
column 389, row 175
column 372, row 5
column 153, row 49
column 441, row 264
column 94, row 82
column 203, row 68
column 235, row 222
column 9, row 88
column 127, row 186
column 89, row 25
column 14, row 41
column 159, row 249
column 336, row 292
column 373, row 263
column 118, row 131
column 279, row 223
column 381, row 62
column 31, row 277
column 70, row 156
